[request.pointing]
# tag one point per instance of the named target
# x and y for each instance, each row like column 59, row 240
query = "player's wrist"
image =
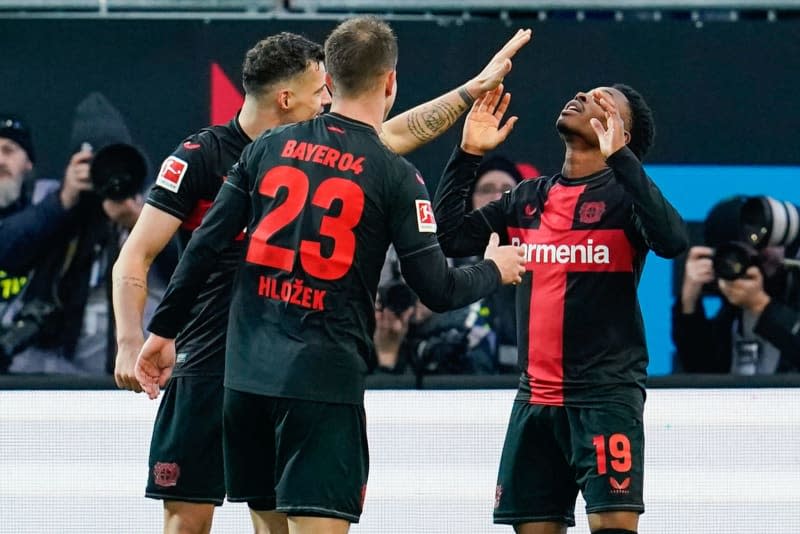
column 470, row 91
column 472, row 149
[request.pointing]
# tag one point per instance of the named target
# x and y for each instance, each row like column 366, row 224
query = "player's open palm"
column 155, row 363
column 493, row 73
column 510, row 260
column 482, row 129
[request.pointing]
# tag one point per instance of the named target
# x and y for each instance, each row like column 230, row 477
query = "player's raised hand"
column 612, row 135
column 155, row 363
column 482, row 131
column 493, row 73
column 510, row 260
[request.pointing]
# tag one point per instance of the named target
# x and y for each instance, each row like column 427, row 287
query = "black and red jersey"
column 187, row 183
column 580, row 332
column 322, row 200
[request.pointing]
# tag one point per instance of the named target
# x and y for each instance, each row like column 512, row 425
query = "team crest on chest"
column 591, row 212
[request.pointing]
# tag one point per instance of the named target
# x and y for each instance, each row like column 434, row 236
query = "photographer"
column 61, row 247
column 757, row 328
column 410, row 337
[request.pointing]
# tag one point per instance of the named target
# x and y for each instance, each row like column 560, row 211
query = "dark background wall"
column 723, row 93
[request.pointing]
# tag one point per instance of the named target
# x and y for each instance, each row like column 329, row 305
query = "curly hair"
column 643, row 129
column 278, row 57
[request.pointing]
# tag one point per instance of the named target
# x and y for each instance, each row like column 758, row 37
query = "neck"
column 579, row 163
column 255, row 119
column 368, row 108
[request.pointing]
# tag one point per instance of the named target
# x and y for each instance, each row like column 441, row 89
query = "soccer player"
column 322, row 200
column 576, row 423
column 284, row 82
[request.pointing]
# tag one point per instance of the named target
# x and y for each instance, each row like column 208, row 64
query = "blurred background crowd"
column 84, row 125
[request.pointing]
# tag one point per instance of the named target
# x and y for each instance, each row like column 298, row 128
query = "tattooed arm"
column 421, row 124
column 149, row 236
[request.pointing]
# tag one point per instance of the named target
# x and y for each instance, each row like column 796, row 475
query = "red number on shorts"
column 620, row 449
column 337, row 227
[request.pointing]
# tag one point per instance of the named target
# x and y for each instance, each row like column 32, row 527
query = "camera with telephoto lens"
column 396, row 296
column 762, row 222
column 36, row 319
column 118, row 171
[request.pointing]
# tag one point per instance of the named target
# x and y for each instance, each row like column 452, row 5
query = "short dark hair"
column 643, row 128
column 357, row 52
column 276, row 58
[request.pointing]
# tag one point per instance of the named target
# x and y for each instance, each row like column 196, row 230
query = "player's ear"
column 391, row 81
column 284, row 98
column 627, row 137
column 329, row 83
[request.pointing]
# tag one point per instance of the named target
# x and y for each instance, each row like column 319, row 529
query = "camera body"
column 118, row 172
column 396, row 296
column 756, row 222
column 36, row 319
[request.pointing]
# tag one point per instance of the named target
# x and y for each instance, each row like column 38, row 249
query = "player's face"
column 309, row 93
column 491, row 186
column 574, row 118
column 14, row 164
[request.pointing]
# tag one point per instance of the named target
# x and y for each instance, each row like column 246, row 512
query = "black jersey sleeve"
column 780, row 325
column 226, row 218
column 462, row 232
column 422, row 261
column 182, row 178
column 655, row 219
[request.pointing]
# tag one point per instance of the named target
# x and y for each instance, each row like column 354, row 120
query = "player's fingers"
column 152, row 390
column 516, row 42
column 494, row 98
column 597, row 126
column 507, row 127
column 502, row 107
column 494, row 239
column 165, row 376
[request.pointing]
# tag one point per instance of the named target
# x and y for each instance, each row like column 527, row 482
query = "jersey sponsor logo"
column 591, row 212
column 171, row 174
column 165, row 474
column 188, row 145
column 425, row 220
column 323, row 155
column 292, row 291
column 581, row 253
column 618, row 487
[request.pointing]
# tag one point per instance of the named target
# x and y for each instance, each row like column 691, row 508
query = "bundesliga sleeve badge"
column 171, row 174
column 425, row 220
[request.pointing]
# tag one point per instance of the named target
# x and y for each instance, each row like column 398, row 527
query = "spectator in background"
column 57, row 240
column 33, row 216
column 755, row 331
column 478, row 339
column 496, row 327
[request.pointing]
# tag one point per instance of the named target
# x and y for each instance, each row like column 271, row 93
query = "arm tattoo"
column 465, row 96
column 434, row 119
column 131, row 281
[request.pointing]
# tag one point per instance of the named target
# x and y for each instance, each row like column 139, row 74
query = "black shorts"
column 551, row 452
column 299, row 457
column 186, row 448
